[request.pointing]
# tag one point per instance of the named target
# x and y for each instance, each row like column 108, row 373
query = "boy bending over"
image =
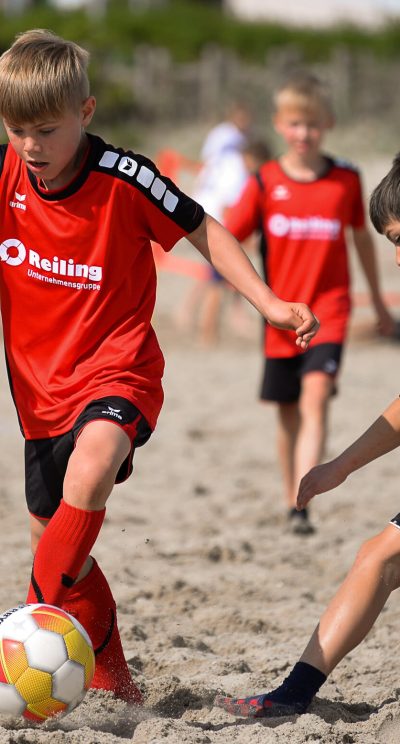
column 376, row 570
column 78, row 282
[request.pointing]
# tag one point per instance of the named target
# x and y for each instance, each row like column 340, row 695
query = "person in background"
column 217, row 186
column 306, row 201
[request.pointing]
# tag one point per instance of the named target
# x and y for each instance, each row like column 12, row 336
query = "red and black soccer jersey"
column 78, row 284
column 306, row 258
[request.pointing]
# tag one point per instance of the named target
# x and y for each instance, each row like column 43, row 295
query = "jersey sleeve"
column 170, row 217
column 244, row 217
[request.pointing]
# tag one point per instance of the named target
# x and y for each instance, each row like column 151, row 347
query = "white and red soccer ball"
column 46, row 662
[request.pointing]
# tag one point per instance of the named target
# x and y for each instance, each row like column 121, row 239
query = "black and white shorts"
column 281, row 382
column 46, row 460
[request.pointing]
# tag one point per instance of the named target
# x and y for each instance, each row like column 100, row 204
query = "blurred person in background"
column 220, row 180
column 306, row 201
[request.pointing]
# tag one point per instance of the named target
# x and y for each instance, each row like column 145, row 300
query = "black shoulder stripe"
column 3, row 150
column 259, row 180
column 345, row 164
column 143, row 175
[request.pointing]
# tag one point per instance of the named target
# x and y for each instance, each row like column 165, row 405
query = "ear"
column 87, row 110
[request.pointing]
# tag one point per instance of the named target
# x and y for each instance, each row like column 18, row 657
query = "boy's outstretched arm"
column 224, row 252
column 382, row 437
column 366, row 253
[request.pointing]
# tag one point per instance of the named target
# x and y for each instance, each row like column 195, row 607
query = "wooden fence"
column 361, row 85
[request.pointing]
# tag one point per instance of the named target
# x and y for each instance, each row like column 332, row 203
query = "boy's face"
column 302, row 128
column 392, row 232
column 50, row 148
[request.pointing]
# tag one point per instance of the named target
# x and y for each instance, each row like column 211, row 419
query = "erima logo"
column 280, row 193
column 14, row 253
column 19, row 203
column 143, row 175
column 113, row 412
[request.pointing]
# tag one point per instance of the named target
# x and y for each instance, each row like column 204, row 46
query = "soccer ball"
column 46, row 662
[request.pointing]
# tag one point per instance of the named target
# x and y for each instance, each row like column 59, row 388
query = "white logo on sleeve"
column 145, row 176
column 128, row 166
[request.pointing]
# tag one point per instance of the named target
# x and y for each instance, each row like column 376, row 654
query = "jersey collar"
column 73, row 186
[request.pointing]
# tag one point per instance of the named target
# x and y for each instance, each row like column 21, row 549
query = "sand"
column 214, row 594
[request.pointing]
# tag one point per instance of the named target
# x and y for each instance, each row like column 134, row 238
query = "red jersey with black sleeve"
column 304, row 226
column 78, row 284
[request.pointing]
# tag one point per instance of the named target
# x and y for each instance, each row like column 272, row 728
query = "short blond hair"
column 42, row 75
column 305, row 91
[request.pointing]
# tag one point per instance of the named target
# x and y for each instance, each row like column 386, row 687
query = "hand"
column 318, row 480
column 294, row 316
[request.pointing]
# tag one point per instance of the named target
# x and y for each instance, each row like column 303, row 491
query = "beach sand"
column 214, row 594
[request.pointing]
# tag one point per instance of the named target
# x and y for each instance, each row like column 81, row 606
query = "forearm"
column 224, row 252
column 382, row 437
column 219, row 247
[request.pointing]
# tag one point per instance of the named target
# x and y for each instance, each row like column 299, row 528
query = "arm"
column 382, row 437
column 366, row 253
column 223, row 251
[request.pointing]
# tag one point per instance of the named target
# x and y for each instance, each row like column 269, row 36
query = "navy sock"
column 300, row 686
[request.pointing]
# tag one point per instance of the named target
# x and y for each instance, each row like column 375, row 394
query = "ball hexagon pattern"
column 46, row 662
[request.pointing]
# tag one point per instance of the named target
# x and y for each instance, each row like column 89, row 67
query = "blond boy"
column 77, row 282
column 306, row 201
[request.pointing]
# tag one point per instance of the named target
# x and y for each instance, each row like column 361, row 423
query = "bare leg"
column 288, row 428
column 313, row 405
column 358, row 602
column 345, row 623
column 88, row 482
column 210, row 314
column 100, row 450
column 186, row 314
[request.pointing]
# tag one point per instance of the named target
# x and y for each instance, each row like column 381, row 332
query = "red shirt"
column 78, row 284
column 306, row 255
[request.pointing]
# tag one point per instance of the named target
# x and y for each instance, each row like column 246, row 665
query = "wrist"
column 345, row 464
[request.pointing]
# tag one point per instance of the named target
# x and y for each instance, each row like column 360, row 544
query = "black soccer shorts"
column 281, row 382
column 46, row 460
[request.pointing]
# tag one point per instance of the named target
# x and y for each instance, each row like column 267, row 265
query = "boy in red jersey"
column 305, row 201
column 78, row 284
column 376, row 570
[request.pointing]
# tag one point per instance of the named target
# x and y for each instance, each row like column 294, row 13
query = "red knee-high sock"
column 62, row 551
column 92, row 603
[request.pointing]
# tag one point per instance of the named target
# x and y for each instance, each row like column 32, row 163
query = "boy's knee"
column 88, row 485
column 376, row 553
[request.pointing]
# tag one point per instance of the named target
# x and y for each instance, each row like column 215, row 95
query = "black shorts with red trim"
column 46, row 460
column 282, row 378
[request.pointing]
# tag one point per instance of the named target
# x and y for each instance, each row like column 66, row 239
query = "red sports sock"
column 92, row 603
column 62, row 551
